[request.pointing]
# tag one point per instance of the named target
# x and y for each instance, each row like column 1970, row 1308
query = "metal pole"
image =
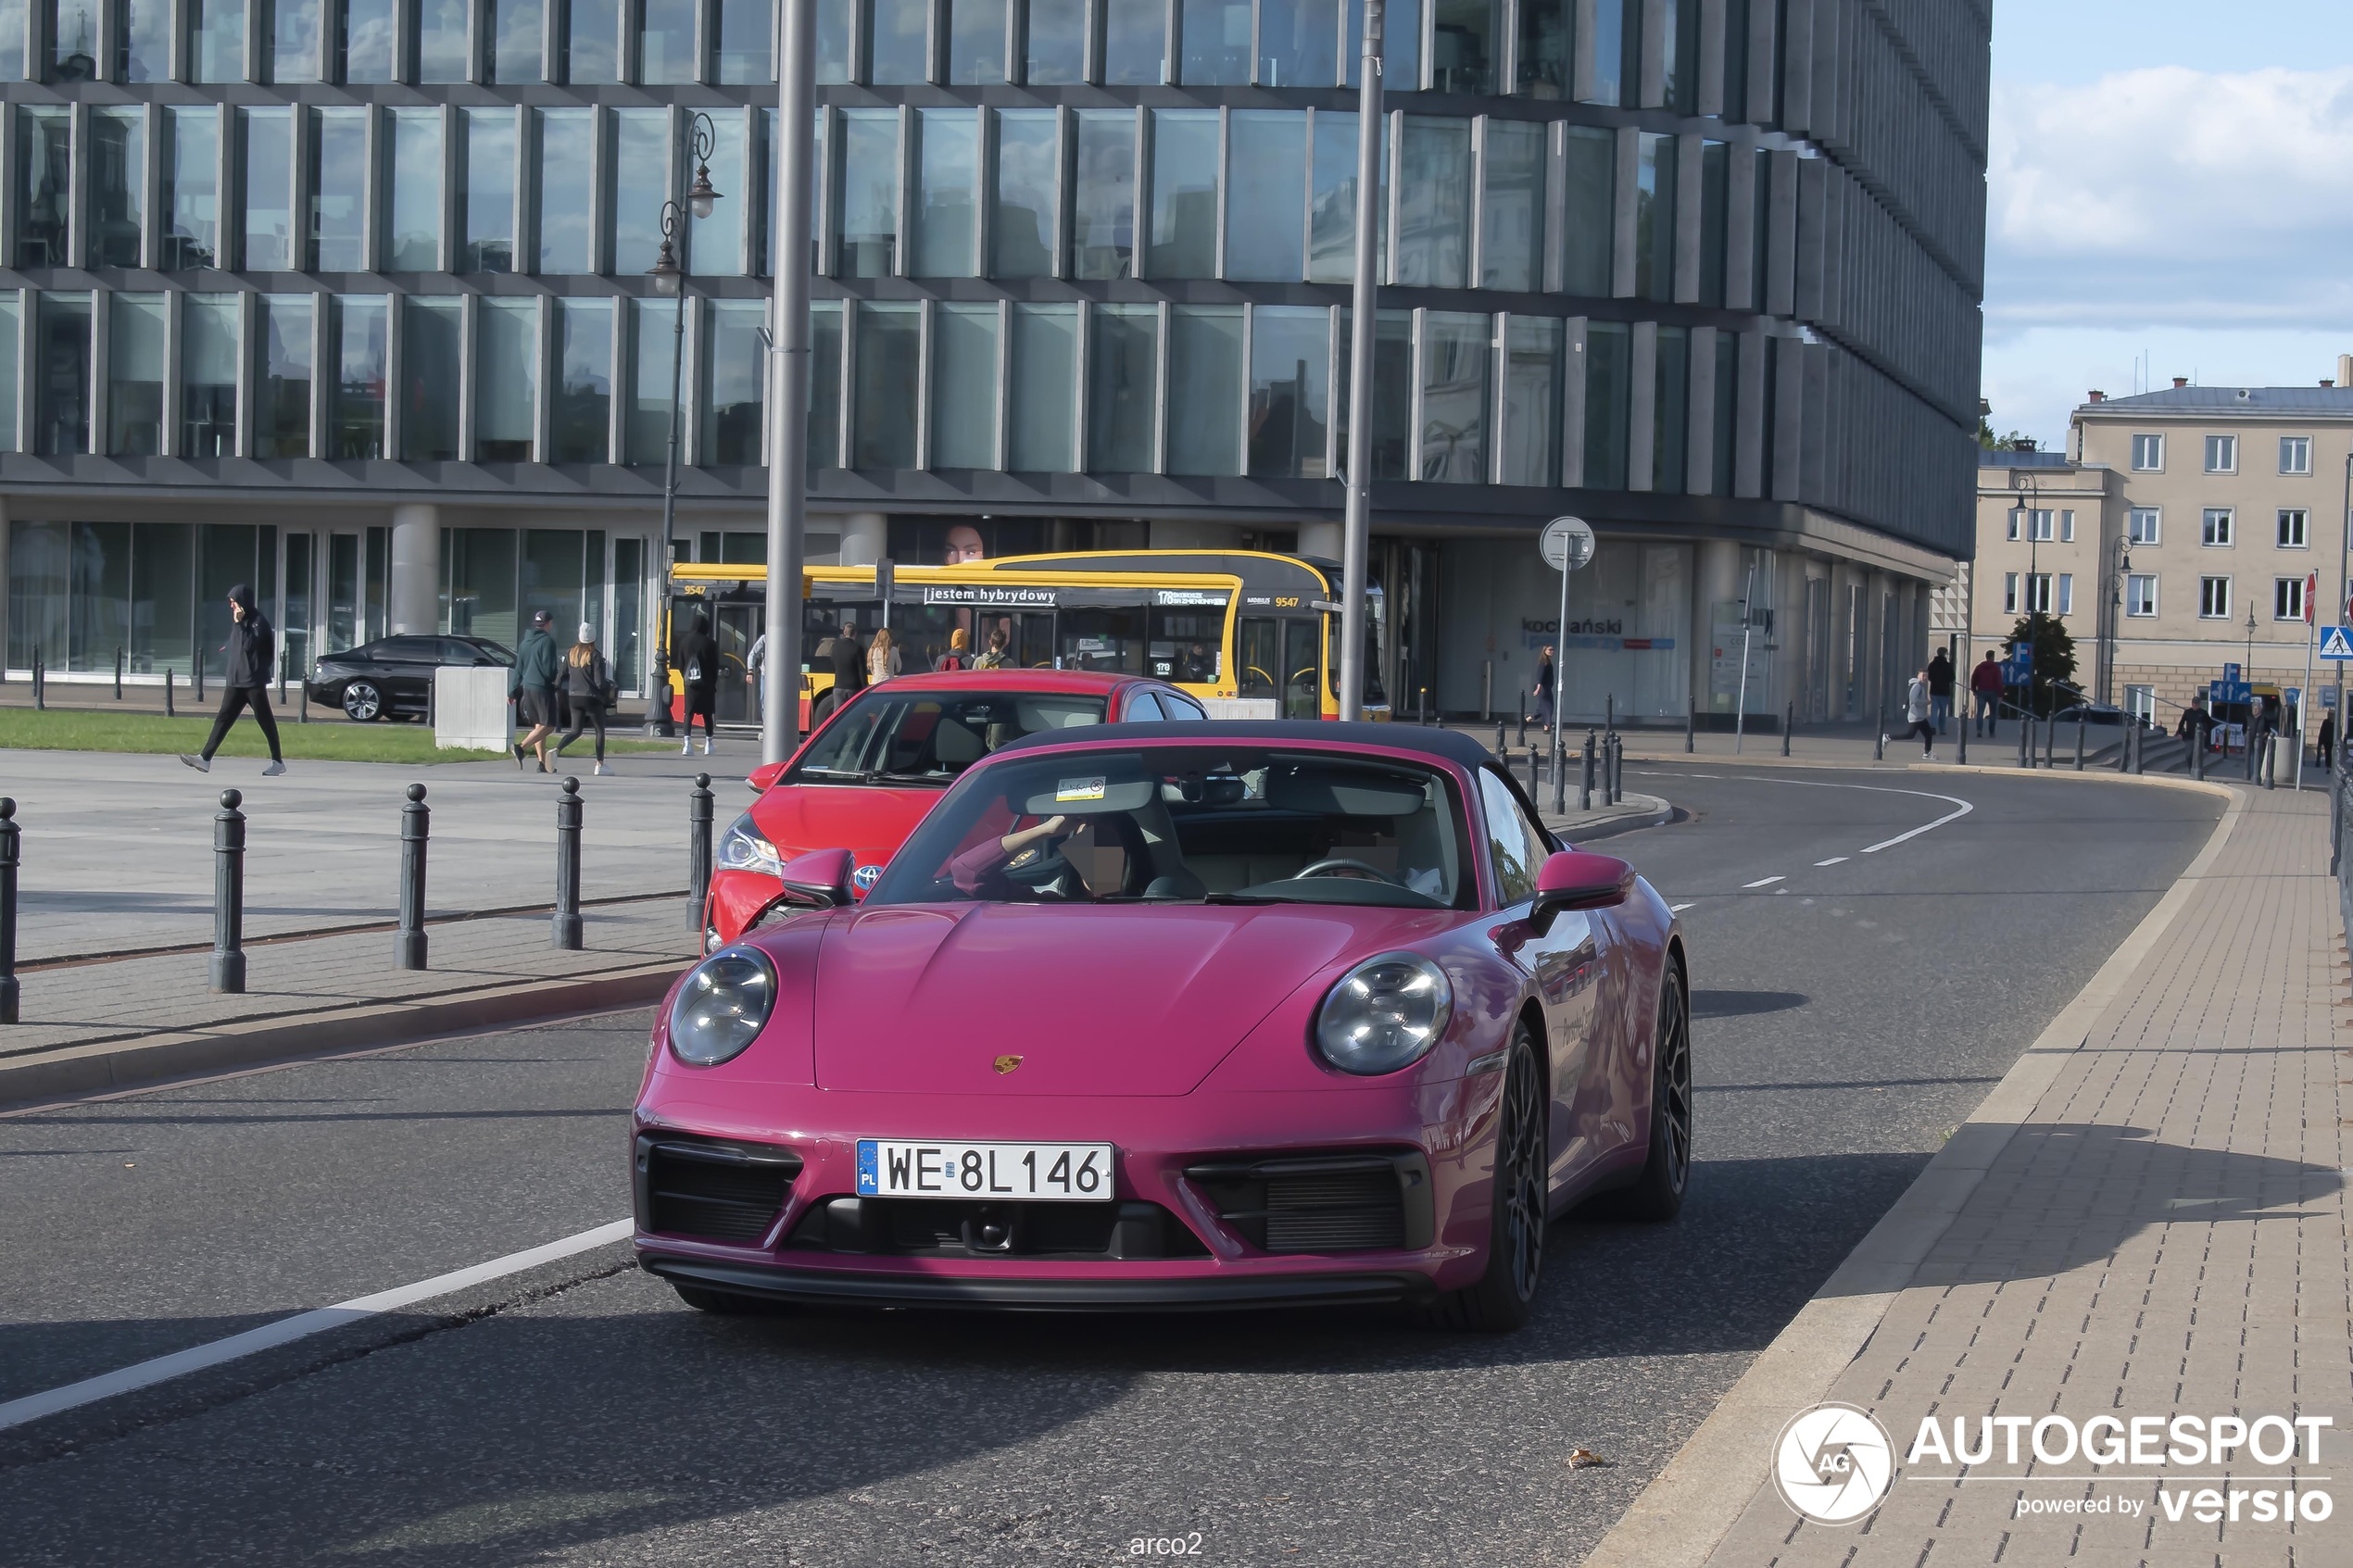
column 2304, row 698
column 566, row 933
column 2050, row 738
column 1357, row 532
column 117, row 680
column 1691, row 720
column 1534, row 784
column 1523, row 718
column 40, row 690
column 698, row 848
column 788, row 389
column 229, row 894
column 10, row 845
column 1498, row 737
column 416, row 822
column 2078, row 745
column 170, row 712
column 1789, row 720
column 2198, row 753
column 302, row 699
column 1616, row 769
column 2344, row 592
column 670, row 223
column 1560, row 681
column 1740, row 711
column 2025, row 743
column 1962, row 744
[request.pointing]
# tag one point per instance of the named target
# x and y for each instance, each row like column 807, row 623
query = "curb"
column 1683, row 1515
column 151, row 1059
column 1649, row 811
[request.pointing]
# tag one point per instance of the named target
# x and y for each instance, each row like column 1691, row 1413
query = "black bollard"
column 567, row 921
column 302, row 702
column 1690, row 711
column 1609, row 713
column 416, row 823
column 118, row 675
column 2050, row 738
column 2197, row 754
column 2078, row 745
column 1788, row 722
column 1498, row 737
column 1963, row 742
column 1617, row 757
column 40, row 688
column 229, row 894
column 697, row 850
column 1523, row 720
column 170, row 712
column 199, row 677
column 1535, row 787
column 1585, row 783
column 2025, row 745
column 10, row 836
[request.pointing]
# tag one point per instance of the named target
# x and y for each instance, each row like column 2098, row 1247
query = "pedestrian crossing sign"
column 2338, row 643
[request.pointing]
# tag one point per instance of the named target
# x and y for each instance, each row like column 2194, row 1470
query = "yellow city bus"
column 1252, row 635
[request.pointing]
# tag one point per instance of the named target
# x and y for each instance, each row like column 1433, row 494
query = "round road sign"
column 1568, row 544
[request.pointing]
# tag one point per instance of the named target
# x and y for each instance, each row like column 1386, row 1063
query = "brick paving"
column 2164, row 1234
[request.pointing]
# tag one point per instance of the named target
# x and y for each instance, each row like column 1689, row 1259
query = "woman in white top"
column 882, row 660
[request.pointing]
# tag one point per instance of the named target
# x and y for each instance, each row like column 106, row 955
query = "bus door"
column 1302, row 667
column 1258, row 657
column 734, row 627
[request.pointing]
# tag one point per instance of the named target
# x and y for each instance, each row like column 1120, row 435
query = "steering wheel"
column 1343, row 863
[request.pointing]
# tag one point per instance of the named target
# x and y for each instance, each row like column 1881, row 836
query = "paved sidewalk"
column 2146, row 1219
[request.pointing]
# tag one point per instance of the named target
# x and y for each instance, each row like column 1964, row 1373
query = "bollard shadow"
column 1744, row 1004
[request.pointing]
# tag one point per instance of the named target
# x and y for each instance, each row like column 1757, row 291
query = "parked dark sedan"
column 392, row 677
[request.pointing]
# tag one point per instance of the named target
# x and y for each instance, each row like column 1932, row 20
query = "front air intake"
column 1321, row 1203
column 710, row 1188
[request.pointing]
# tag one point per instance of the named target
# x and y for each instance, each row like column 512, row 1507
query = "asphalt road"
column 1847, row 1015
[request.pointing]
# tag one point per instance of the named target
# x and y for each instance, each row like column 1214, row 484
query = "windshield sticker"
column 1079, row 789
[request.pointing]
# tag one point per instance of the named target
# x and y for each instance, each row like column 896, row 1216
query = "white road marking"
column 1677, row 909
column 1878, row 789
column 32, row 1407
column 1832, row 861
column 1763, row 882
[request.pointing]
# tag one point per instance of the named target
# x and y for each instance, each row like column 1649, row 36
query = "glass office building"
column 348, row 298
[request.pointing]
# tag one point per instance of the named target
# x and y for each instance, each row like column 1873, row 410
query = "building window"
column 1217, row 51
column 580, row 422
column 441, row 41
column 592, row 42
column 2217, row 531
column 61, row 367
column 834, row 26
column 2140, row 702
column 513, row 55
column 2140, row 594
column 337, row 238
column 2039, row 525
column 1671, row 411
column 733, row 380
column 2213, row 598
column 2067, row 527
column 715, row 245
column 1463, row 46
column 1433, row 204
column 1591, row 157
column 1123, row 370
column 1532, row 402
column 2221, row 454
column 2066, row 605
column 1183, row 233
column 2292, row 521
column 1290, row 354
column 1512, row 215
column 2148, row 453
column 567, row 165
column 11, row 324
column 742, row 47
column 1609, row 394
column 976, row 43
column 1042, row 414
column 1023, row 242
column 145, row 49
column 1402, row 57
column 642, row 159
column 1056, row 35
column 356, row 418
column 1204, row 389
column 1393, row 391
column 2295, row 454
column 946, row 144
column 134, row 395
column 269, row 160
column 44, row 184
column 868, row 240
column 882, row 390
column 281, row 387
column 1453, row 381
column 1135, row 44
column 1331, row 201
column 490, row 190
column 824, row 384
column 215, row 40
column 963, row 386
column 2010, row 523
column 2287, row 598
column 2038, row 593
column 369, row 30
column 653, row 342
column 2010, row 592
column 430, row 371
column 118, row 185
column 1297, row 44
column 1617, row 36
column 1715, row 174
column 666, row 42
column 1102, row 222
column 207, row 375
column 1654, row 166
column 1544, row 32
column 415, row 210
column 505, row 379
column 2143, row 525
column 1266, row 196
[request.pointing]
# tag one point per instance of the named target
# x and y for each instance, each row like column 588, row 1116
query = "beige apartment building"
column 2183, row 529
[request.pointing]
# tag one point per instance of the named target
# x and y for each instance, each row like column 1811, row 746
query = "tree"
column 2013, row 441
column 2054, row 658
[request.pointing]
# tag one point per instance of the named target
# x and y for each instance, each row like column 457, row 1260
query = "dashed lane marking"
column 1764, row 882
column 1833, row 860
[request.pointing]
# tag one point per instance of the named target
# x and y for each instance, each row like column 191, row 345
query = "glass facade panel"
column 191, row 195
column 715, row 245
column 134, row 393
column 897, row 42
column 963, row 386
column 118, row 185
column 99, row 618
column 514, row 55
column 338, row 179
column 653, row 344
column 580, row 425
column 146, row 42
column 1512, row 243
column 1545, row 27
column 1618, row 38
column 479, row 569
column 369, row 34
column 1290, row 386
column 836, row 22
column 1532, row 402
column 1135, row 45
column 1103, row 228
column 733, row 390
column 640, row 185
column 44, row 184
column 1331, row 202
column 1023, row 242
column 163, row 572
column 505, row 379
column 1433, row 204
column 355, row 419
column 824, row 384
column 268, row 159
column 414, row 232
column 1454, row 366
column 1713, row 168
column 430, row 368
column 948, row 148
column 1217, row 42
column 1123, row 376
column 1042, row 413
column 868, row 242
column 1184, row 237
column 1055, row 42
column 592, row 40
column 666, row 42
column 626, row 645
column 1266, row 199
column 1671, row 411
column 490, row 190
column 1609, row 392
column 1393, row 391
column 976, row 42
column 1400, row 45
column 1727, row 360
column 1655, row 218
column 567, row 167
column 1591, row 217
column 1463, row 38
column 207, row 375
column 1204, row 388
column 885, row 383
column 215, row 40
column 61, row 364
column 745, row 54
column 1679, row 56
column 40, row 557
column 281, row 386
column 554, row 578
column 1299, row 43
column 441, row 41
column 11, row 326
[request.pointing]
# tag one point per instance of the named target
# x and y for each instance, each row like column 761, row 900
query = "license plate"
column 1005, row 1172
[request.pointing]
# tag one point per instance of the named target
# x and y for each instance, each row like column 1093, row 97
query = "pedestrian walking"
column 532, row 684
column 756, row 675
column 959, row 654
column 2327, row 746
column 1940, row 690
column 1916, row 709
column 2197, row 727
column 252, row 649
column 699, row 659
column 588, row 686
column 1546, row 684
column 1985, row 686
column 848, row 662
column 882, row 658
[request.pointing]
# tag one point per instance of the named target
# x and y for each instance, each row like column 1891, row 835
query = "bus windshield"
column 928, row 738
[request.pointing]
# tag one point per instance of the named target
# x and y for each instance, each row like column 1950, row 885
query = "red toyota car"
column 872, row 770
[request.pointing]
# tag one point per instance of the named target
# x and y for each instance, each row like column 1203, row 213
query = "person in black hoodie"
column 251, row 651
column 699, row 661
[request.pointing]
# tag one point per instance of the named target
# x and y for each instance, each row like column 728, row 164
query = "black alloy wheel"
column 1658, row 1193
column 1504, row 1296
column 362, row 703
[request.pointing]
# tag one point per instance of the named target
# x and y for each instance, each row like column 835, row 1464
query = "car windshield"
column 1236, row 824
column 498, row 651
column 930, row 737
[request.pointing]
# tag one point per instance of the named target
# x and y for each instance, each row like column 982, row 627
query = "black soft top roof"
column 1447, row 744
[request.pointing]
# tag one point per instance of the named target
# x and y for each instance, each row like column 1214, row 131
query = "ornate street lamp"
column 669, row 280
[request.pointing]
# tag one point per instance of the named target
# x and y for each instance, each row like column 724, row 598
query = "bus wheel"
column 821, row 709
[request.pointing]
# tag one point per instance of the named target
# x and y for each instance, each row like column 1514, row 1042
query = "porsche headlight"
column 1386, row 1013
column 741, row 848
column 722, row 1006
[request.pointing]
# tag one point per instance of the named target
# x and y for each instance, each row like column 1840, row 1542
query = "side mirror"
column 763, row 778
column 1579, row 879
column 818, row 880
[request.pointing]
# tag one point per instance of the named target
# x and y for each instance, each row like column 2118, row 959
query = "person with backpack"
column 959, row 654
column 532, row 684
column 698, row 662
column 1918, row 707
column 588, row 686
column 251, row 650
column 995, row 658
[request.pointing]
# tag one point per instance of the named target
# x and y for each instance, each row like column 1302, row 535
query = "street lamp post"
column 2116, row 579
column 1356, row 530
column 2025, row 512
column 669, row 282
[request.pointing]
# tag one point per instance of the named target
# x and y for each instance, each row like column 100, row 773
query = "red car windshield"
column 929, row 737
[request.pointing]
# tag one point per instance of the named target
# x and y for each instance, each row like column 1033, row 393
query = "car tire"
column 362, row 703
column 1658, row 1193
column 822, row 708
column 726, row 1303
column 1504, row 1296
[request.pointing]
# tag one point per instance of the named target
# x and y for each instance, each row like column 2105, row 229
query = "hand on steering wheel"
column 1343, row 863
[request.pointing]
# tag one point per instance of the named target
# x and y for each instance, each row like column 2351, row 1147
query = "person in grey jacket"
column 1918, row 710
column 251, row 651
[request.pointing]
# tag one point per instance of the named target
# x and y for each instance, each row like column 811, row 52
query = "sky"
column 2169, row 192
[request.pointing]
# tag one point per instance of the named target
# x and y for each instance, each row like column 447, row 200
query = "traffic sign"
column 2229, row 691
column 2338, row 643
column 2020, row 671
column 1568, row 543
column 2231, row 672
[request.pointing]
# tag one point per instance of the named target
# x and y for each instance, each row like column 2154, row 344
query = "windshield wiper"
column 1252, row 898
column 943, row 780
column 858, row 775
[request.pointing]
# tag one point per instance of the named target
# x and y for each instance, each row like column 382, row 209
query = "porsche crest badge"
column 1005, row 1064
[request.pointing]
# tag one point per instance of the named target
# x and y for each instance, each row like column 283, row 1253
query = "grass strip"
column 23, row 729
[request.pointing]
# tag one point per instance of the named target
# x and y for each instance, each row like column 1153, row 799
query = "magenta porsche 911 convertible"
column 1175, row 1016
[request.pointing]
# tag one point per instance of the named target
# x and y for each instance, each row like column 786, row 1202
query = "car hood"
column 1132, row 999
column 869, row 820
